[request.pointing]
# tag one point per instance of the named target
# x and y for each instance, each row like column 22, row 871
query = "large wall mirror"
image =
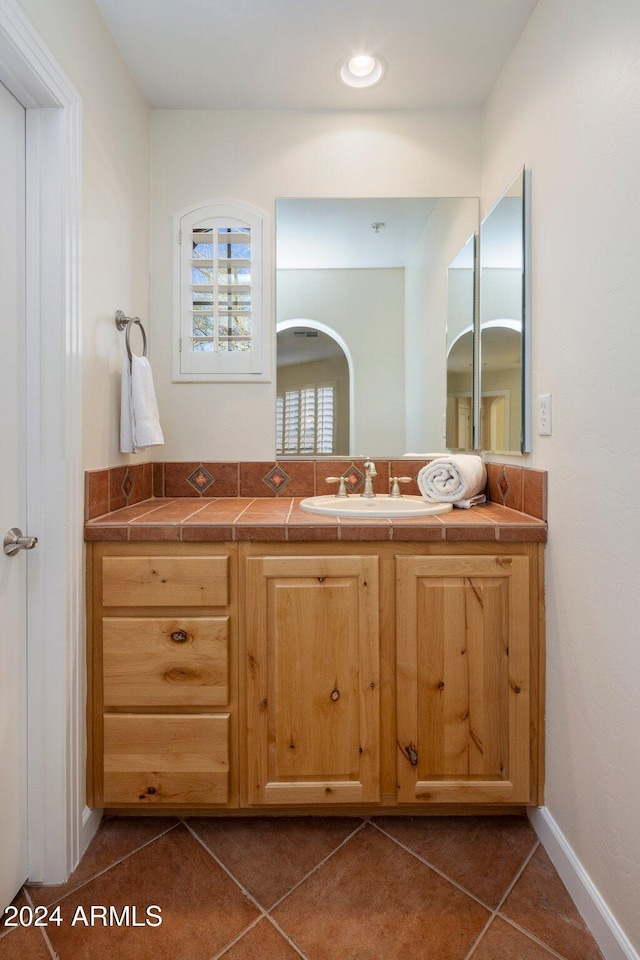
column 366, row 292
column 502, row 409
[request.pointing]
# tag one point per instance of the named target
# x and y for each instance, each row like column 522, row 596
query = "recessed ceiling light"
column 363, row 70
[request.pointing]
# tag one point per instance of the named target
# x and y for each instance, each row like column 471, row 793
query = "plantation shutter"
column 221, row 296
column 305, row 421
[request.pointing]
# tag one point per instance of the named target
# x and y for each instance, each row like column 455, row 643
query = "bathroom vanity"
column 305, row 664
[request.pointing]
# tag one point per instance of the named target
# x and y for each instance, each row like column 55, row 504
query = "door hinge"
column 179, row 234
column 179, row 344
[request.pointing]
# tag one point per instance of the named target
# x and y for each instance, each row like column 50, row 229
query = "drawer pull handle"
column 335, row 695
column 180, row 636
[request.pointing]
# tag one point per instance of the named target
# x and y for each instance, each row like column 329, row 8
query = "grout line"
column 5, row 931
column 494, row 913
column 204, row 504
column 286, row 936
column 43, row 931
column 265, row 914
column 237, row 937
column 318, row 865
column 524, row 865
column 110, row 867
column 532, row 936
column 435, row 869
column 244, row 509
column 480, row 936
column 228, row 872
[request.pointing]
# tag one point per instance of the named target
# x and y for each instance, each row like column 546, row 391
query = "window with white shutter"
column 305, row 420
column 221, row 300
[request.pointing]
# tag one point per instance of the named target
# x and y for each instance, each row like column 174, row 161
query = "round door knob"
column 14, row 541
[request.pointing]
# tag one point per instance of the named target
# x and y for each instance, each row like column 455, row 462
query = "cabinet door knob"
column 180, row 636
column 335, row 695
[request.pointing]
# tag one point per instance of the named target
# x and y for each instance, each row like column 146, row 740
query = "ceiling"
column 284, row 54
column 339, row 233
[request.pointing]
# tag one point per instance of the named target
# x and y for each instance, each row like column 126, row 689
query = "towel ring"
column 125, row 323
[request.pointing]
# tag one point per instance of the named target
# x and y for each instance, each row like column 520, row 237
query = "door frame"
column 58, row 823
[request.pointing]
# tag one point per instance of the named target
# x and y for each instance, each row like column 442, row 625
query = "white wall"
column 257, row 156
column 366, row 307
column 568, row 106
column 116, row 205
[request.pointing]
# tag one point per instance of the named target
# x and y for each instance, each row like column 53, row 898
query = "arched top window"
column 221, row 296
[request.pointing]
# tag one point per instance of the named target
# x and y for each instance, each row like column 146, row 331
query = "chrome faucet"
column 369, row 473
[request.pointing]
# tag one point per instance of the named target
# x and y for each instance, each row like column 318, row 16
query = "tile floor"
column 385, row 888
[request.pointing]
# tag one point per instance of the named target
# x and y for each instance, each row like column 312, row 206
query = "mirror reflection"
column 362, row 308
column 502, row 322
column 460, row 347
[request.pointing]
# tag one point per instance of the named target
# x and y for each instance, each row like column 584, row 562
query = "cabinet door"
column 463, row 679
column 312, row 680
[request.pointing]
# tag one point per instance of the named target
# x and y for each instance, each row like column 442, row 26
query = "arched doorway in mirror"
column 314, row 390
column 460, row 391
column 500, row 387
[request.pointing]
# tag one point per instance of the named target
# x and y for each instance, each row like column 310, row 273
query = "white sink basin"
column 380, row 507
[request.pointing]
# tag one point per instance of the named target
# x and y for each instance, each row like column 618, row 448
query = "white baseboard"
column 608, row 933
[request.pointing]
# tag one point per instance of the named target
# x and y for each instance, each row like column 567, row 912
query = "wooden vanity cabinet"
column 283, row 676
column 163, row 675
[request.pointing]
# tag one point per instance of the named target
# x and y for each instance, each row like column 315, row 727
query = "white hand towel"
column 126, row 430
column 139, row 419
column 452, row 478
column 471, row 501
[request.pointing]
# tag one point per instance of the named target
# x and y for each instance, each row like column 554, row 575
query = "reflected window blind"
column 305, row 420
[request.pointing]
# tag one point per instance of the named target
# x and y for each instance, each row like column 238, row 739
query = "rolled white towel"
column 449, row 479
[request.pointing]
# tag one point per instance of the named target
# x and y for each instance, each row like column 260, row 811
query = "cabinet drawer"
column 166, row 662
column 165, row 761
column 165, row 581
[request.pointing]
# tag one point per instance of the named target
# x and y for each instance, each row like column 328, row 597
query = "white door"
column 13, row 569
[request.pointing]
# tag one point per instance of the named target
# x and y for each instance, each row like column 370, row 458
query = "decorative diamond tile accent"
column 354, row 478
column 201, row 479
column 276, row 479
column 127, row 485
column 503, row 484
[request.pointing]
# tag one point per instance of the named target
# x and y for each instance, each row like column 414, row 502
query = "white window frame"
column 250, row 366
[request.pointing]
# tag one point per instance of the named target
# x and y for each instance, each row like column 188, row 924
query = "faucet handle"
column 395, row 485
column 342, row 485
column 369, row 468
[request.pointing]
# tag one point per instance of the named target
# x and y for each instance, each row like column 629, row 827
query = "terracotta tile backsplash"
column 291, row 478
column 534, row 493
column 201, row 479
column 116, row 487
column 518, row 488
column 96, row 493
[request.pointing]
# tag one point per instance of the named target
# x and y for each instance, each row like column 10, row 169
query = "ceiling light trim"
column 355, row 79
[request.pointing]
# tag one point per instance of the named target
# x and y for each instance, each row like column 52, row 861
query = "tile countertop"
column 267, row 519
